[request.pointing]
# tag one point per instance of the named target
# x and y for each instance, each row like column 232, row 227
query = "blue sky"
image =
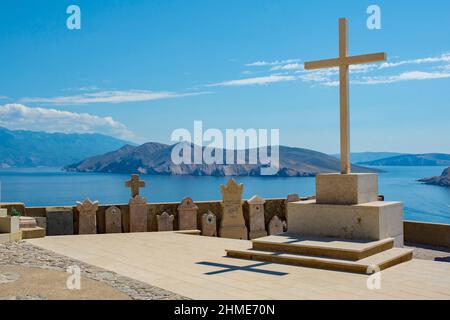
column 141, row 69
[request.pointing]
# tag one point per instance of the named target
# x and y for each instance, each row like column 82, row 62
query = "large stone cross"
column 344, row 62
column 135, row 184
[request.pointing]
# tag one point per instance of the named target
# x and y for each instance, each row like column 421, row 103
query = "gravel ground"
column 429, row 252
column 27, row 255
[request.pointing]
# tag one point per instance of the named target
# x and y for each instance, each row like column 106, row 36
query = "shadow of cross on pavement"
column 250, row 268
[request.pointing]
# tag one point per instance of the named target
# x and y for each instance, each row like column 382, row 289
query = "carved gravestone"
column 165, row 222
column 87, row 218
column 59, row 221
column 3, row 213
column 138, row 214
column 113, row 220
column 209, row 224
column 41, row 222
column 275, row 226
column 187, row 215
column 232, row 224
column 257, row 223
column 294, row 197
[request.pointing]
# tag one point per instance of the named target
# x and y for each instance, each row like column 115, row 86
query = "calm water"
column 50, row 186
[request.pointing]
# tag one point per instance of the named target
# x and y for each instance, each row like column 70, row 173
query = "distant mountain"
column 429, row 159
column 442, row 180
column 360, row 157
column 31, row 149
column 155, row 158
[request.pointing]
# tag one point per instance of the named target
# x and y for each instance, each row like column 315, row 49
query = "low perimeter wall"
column 433, row 234
column 272, row 207
column 415, row 232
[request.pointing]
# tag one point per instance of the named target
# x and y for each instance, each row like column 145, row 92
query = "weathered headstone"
column 294, row 197
column 138, row 214
column 3, row 212
column 275, row 226
column 232, row 224
column 27, row 222
column 187, row 215
column 165, row 222
column 87, row 218
column 257, row 223
column 134, row 184
column 59, row 221
column 209, row 224
column 113, row 220
column 41, row 222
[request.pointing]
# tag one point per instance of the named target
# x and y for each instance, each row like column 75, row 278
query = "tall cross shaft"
column 344, row 62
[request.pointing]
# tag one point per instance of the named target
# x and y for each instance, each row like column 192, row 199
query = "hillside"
column 155, row 158
column 360, row 157
column 429, row 159
column 31, row 149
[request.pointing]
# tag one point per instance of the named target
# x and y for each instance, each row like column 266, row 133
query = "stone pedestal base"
column 238, row 232
column 346, row 189
column 256, row 234
column 33, row 233
column 368, row 221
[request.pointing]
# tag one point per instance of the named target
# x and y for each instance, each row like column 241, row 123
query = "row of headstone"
column 233, row 223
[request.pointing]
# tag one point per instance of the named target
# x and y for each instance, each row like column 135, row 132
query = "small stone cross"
column 135, row 184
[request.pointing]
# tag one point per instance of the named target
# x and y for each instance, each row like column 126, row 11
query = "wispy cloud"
column 289, row 66
column 19, row 116
column 271, row 63
column 253, row 81
column 109, row 97
column 405, row 76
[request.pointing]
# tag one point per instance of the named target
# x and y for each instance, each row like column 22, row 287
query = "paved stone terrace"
column 48, row 270
column 195, row 267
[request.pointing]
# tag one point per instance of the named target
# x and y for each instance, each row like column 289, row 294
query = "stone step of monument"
column 323, row 247
column 381, row 260
column 33, row 233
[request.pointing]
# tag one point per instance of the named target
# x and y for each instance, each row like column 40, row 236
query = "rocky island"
column 442, row 180
column 155, row 158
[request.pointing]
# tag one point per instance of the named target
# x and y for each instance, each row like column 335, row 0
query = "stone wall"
column 272, row 207
column 414, row 232
column 433, row 234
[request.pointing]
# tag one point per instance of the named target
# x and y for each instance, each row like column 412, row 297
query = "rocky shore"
column 442, row 180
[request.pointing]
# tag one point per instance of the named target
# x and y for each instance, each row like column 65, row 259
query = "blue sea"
column 53, row 187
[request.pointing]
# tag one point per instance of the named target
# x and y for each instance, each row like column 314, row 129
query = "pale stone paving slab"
column 195, row 267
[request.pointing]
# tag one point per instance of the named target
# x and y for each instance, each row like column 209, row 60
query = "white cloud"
column 18, row 116
column 253, row 81
column 289, row 66
column 405, row 76
column 442, row 58
column 271, row 63
column 110, row 97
